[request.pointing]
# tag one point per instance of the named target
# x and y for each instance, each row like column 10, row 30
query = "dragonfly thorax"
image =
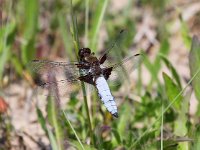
column 95, row 70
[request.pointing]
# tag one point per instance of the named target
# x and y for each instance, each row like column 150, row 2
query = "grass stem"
column 76, row 45
column 73, row 130
column 86, row 22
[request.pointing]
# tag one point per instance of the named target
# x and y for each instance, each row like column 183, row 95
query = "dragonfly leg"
column 83, row 66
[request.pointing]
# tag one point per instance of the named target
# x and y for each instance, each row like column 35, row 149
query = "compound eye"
column 87, row 50
column 83, row 51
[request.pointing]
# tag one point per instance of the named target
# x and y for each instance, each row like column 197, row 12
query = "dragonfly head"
column 83, row 52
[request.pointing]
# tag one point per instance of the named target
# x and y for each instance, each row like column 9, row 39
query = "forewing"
column 117, row 50
column 61, row 69
column 56, row 77
column 129, row 63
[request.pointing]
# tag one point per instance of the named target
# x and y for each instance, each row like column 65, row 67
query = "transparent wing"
column 57, row 78
column 69, row 71
column 121, row 70
column 117, row 50
column 130, row 62
column 120, row 58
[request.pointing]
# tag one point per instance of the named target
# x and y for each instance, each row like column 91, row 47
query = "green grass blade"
column 17, row 64
column 31, row 15
column 96, row 23
column 121, row 125
column 164, row 50
column 173, row 70
column 31, row 12
column 181, row 123
column 151, row 68
column 117, row 136
column 172, row 90
column 52, row 111
column 48, row 132
column 181, row 92
column 161, row 129
column 86, row 22
column 154, row 67
column 5, row 46
column 185, row 33
column 194, row 63
column 196, row 144
column 65, row 36
column 77, row 145
column 41, row 120
column 52, row 140
column 73, row 130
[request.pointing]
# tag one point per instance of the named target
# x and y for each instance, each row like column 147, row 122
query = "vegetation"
column 157, row 112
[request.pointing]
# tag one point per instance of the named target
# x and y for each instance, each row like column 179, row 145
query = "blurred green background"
column 158, row 108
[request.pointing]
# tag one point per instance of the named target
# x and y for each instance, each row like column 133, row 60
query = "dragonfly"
column 89, row 69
